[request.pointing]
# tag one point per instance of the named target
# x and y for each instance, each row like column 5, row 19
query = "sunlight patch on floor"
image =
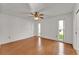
column 61, row 48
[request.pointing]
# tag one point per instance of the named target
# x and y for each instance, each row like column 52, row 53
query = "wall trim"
column 15, row 40
column 55, row 40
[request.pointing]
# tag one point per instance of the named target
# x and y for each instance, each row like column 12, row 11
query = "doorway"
column 60, row 30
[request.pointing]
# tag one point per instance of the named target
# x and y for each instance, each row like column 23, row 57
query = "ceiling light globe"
column 36, row 18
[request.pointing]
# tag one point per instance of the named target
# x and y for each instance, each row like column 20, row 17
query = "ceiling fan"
column 37, row 16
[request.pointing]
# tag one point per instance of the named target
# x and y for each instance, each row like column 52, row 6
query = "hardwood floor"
column 37, row 46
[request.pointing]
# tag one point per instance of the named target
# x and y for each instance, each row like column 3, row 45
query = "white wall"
column 14, row 28
column 35, row 28
column 76, row 28
column 49, row 27
column 68, row 28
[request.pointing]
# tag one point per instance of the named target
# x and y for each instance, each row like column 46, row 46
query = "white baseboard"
column 5, row 42
column 54, row 39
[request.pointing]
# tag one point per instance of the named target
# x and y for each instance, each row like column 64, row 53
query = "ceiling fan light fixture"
column 36, row 18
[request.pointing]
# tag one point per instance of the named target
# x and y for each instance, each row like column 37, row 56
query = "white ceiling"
column 23, row 9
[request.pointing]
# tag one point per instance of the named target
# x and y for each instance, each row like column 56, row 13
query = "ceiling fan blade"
column 42, row 17
column 32, row 13
column 41, row 14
